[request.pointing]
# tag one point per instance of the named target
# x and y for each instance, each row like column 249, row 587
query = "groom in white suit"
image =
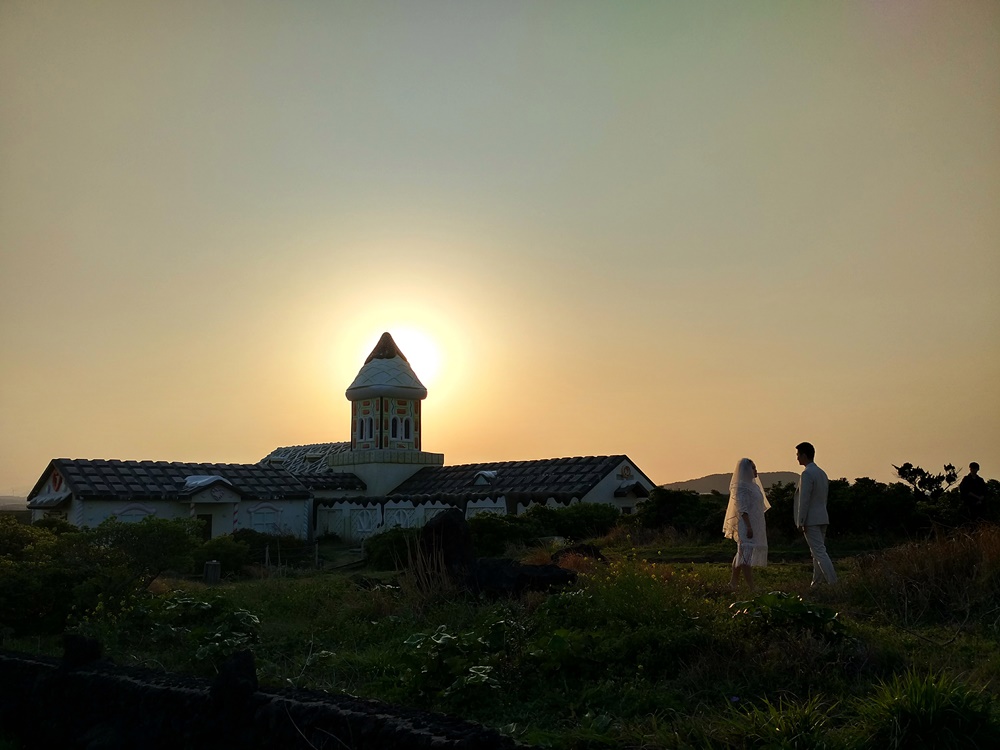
column 810, row 513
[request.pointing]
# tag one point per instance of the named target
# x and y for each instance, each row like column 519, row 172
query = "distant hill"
column 12, row 502
column 720, row 482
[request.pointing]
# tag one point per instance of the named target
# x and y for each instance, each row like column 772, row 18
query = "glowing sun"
column 420, row 350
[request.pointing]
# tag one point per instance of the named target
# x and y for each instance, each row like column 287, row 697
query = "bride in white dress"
column 745, row 522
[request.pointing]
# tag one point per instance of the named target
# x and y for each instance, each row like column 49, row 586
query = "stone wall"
column 44, row 703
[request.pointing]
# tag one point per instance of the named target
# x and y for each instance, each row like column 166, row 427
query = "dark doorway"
column 206, row 525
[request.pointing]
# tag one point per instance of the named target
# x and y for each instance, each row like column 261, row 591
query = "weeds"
column 928, row 711
column 637, row 654
column 945, row 580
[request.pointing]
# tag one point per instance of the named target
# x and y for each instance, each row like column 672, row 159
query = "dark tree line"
column 865, row 507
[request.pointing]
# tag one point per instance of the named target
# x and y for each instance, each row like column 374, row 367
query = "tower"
column 385, row 421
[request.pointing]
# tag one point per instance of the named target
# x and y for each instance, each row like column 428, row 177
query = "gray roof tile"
column 135, row 480
column 556, row 477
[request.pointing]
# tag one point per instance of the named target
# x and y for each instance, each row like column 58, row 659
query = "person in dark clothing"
column 972, row 491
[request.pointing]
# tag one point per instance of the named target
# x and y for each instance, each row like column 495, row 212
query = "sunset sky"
column 683, row 231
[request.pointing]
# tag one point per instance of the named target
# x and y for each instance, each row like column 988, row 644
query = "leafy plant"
column 441, row 665
column 787, row 725
column 232, row 554
column 778, row 609
column 927, row 711
column 390, row 549
column 493, row 533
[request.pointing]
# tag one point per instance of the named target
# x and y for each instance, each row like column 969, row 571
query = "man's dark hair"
column 974, row 466
column 807, row 449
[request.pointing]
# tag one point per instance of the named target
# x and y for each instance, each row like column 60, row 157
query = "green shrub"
column 232, row 555
column 21, row 542
column 54, row 524
column 578, row 521
column 192, row 632
column 276, row 549
column 789, row 725
column 947, row 579
column 776, row 609
column 445, row 665
column 678, row 509
column 391, row 549
column 36, row 597
column 927, row 711
column 585, row 520
column 635, row 614
column 492, row 533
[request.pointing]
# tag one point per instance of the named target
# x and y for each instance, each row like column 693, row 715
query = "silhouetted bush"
column 678, row 509
column 492, row 533
column 54, row 524
column 232, row 554
column 391, row 549
column 276, row 549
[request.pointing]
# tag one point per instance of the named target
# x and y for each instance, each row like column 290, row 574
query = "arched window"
column 361, row 429
column 406, row 429
column 394, row 430
column 371, row 428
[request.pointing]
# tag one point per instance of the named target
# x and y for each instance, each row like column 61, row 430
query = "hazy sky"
column 684, row 231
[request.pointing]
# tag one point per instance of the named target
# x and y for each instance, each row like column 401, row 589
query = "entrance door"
column 206, row 525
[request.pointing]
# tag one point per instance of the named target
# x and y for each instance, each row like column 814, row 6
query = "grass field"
column 650, row 650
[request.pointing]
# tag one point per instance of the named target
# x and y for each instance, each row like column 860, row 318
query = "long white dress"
column 746, row 495
column 750, row 500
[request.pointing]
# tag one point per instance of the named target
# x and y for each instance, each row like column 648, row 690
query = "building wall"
column 273, row 517
column 604, row 491
column 356, row 520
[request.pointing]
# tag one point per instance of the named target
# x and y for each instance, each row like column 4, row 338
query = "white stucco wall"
column 282, row 516
column 604, row 491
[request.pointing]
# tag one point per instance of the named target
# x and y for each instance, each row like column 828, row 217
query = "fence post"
column 213, row 569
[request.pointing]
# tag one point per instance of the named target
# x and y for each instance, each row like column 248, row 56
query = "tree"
column 934, row 502
column 676, row 508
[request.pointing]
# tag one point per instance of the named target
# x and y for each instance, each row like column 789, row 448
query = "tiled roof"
column 558, row 477
column 310, row 466
column 162, row 480
column 386, row 373
column 304, row 459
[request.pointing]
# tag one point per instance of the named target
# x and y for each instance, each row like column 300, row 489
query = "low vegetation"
column 647, row 650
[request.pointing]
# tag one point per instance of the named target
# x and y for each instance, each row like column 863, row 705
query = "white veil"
column 743, row 481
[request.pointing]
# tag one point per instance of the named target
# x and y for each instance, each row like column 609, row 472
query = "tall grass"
column 944, row 580
column 647, row 654
column 914, row 710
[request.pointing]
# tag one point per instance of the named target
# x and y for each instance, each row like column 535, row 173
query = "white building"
column 379, row 479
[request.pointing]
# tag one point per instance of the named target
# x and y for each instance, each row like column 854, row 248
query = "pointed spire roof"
column 386, row 373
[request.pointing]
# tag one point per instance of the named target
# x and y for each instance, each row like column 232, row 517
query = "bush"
column 36, row 597
column 492, row 533
column 789, row 725
column 930, row 711
column 54, row 524
column 233, row 555
column 938, row 581
column 19, row 541
column 678, row 509
column 777, row 609
column 276, row 549
column 391, row 549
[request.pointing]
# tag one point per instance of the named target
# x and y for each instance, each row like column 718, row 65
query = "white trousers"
column 822, row 564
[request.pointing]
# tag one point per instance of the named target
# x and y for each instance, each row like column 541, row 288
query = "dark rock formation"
column 499, row 576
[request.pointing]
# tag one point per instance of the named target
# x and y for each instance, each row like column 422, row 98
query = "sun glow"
column 420, row 350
